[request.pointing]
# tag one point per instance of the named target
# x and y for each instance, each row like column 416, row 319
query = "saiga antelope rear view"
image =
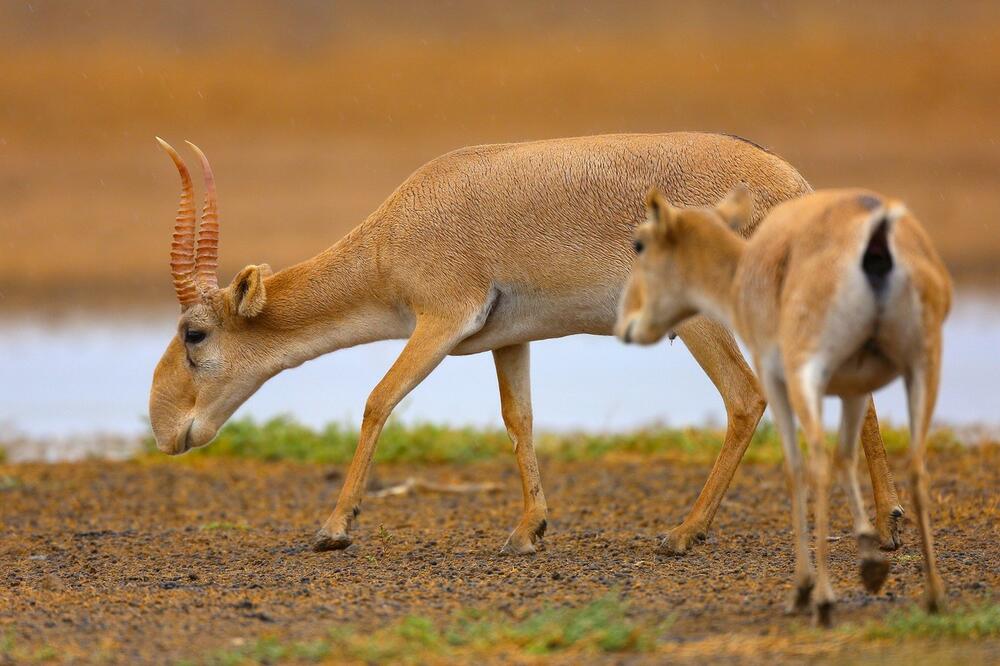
column 837, row 293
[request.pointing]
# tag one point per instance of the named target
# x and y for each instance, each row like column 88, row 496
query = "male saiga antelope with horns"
column 484, row 249
column 837, row 293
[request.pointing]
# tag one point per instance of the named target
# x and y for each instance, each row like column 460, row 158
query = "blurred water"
column 87, row 376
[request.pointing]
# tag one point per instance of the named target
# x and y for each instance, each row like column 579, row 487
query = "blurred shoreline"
column 81, row 374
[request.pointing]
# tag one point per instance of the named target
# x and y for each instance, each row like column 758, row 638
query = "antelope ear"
column 660, row 212
column 246, row 292
column 736, row 208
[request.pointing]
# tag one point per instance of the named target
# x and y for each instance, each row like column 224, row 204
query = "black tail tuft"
column 877, row 260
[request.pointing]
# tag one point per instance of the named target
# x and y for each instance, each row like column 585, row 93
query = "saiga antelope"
column 483, row 249
column 837, row 293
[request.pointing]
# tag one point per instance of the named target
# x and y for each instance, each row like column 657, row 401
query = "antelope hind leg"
column 716, row 351
column 514, row 379
column 873, row 564
column 921, row 390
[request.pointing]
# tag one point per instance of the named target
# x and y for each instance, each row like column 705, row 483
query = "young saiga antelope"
column 484, row 249
column 837, row 293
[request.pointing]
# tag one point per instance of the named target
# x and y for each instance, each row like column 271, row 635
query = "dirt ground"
column 154, row 562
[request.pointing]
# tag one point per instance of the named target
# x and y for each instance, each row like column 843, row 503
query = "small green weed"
column 601, row 626
column 384, row 535
column 973, row 622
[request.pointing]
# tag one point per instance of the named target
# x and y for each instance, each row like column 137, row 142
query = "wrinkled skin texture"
column 484, row 249
column 839, row 293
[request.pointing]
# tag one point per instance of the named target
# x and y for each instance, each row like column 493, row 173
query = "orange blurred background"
column 312, row 112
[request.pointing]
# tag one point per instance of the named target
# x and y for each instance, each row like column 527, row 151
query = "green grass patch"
column 11, row 652
column 974, row 622
column 602, row 626
column 283, row 438
column 267, row 651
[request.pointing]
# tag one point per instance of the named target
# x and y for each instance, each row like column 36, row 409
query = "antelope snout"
column 636, row 329
column 174, row 442
column 623, row 329
column 192, row 434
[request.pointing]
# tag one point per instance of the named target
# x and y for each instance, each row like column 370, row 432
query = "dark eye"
column 638, row 246
column 193, row 337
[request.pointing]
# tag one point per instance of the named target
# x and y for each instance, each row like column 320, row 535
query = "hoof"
column 889, row 528
column 518, row 547
column 934, row 602
column 874, row 566
column 325, row 541
column 799, row 601
column 680, row 540
column 524, row 541
column 874, row 571
column 823, row 614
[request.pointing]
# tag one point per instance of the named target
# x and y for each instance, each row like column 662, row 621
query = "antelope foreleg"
column 431, row 341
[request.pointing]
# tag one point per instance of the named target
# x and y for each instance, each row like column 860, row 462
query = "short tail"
column 877, row 261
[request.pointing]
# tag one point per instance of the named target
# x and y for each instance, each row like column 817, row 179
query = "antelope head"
column 221, row 353
column 680, row 254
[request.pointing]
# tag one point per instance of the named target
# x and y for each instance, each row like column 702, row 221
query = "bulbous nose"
column 172, row 432
column 171, row 402
column 627, row 335
column 624, row 329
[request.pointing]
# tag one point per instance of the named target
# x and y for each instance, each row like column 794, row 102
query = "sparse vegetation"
column 384, row 535
column 600, row 626
column 16, row 654
column 283, row 438
column 976, row 622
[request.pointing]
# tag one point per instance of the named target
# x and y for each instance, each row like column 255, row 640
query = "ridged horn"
column 206, row 261
column 182, row 254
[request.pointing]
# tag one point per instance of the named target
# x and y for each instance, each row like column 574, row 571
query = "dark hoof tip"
column 824, row 614
column 510, row 548
column 679, row 542
column 667, row 547
column 799, row 603
column 933, row 606
column 891, row 545
column 873, row 573
column 325, row 542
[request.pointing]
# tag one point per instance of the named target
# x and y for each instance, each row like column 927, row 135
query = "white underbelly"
column 520, row 317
